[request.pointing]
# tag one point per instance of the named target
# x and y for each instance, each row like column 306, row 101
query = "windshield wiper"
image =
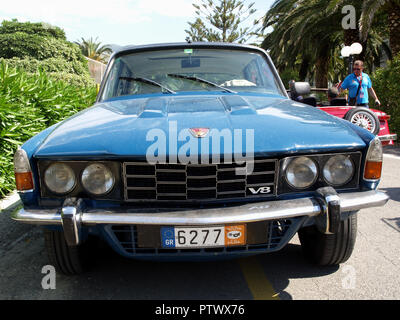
column 199, row 80
column 148, row 81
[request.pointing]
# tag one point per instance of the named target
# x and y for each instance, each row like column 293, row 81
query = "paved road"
column 370, row 273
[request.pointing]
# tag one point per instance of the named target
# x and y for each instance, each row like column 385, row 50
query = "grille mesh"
column 279, row 233
column 180, row 182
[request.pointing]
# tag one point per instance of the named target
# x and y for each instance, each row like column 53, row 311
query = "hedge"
column 48, row 65
column 386, row 83
column 40, row 28
column 22, row 45
column 29, row 103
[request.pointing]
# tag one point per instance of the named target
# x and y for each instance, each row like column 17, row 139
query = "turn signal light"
column 22, row 171
column 373, row 170
column 24, row 181
column 373, row 163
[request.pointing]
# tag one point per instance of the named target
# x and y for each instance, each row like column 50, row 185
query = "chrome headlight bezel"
column 308, row 162
column 65, row 167
column 345, row 181
column 94, row 166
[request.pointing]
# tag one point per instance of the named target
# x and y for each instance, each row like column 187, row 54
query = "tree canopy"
column 222, row 21
column 33, row 46
column 307, row 36
column 94, row 50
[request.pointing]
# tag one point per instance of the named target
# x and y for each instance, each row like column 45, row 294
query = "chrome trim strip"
column 258, row 211
column 388, row 137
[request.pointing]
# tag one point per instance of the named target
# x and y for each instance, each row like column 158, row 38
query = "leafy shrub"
column 33, row 46
column 287, row 75
column 22, row 45
column 73, row 79
column 41, row 29
column 49, row 65
column 43, row 80
column 386, row 83
column 29, row 103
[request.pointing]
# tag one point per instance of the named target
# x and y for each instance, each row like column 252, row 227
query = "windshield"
column 180, row 70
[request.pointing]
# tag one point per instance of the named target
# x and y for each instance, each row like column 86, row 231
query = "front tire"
column 329, row 249
column 67, row 260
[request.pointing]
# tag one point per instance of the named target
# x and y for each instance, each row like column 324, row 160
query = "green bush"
column 386, row 83
column 33, row 46
column 49, row 65
column 73, row 79
column 43, row 80
column 287, row 75
column 29, row 103
column 41, row 29
column 22, row 45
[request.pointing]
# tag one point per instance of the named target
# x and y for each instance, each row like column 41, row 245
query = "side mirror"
column 300, row 88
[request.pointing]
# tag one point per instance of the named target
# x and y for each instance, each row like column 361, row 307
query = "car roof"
column 173, row 45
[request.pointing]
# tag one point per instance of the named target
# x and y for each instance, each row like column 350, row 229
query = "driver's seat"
column 338, row 102
column 312, row 101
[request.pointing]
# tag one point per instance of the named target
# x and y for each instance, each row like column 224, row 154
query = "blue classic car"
column 195, row 151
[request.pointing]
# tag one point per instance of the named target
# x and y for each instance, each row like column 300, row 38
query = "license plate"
column 203, row 237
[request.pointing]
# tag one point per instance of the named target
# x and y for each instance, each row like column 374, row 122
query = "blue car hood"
column 119, row 128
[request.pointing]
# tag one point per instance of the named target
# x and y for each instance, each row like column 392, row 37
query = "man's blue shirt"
column 351, row 82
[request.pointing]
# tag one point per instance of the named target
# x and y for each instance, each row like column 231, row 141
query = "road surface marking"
column 259, row 286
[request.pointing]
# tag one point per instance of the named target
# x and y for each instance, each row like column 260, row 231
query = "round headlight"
column 97, row 179
column 338, row 170
column 301, row 172
column 59, row 178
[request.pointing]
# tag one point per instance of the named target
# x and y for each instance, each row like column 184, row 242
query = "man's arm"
column 371, row 91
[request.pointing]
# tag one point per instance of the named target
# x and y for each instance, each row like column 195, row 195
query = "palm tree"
column 302, row 31
column 94, row 50
column 309, row 33
column 368, row 11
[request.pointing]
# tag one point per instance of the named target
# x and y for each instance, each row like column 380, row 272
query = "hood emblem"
column 199, row 132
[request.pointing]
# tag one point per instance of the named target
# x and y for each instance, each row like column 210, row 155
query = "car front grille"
column 279, row 233
column 202, row 182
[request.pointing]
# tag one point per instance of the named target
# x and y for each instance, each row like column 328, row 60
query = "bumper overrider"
column 326, row 207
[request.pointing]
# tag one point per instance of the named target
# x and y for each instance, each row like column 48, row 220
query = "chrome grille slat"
column 197, row 182
column 171, row 194
column 172, row 182
column 232, row 180
column 231, row 192
column 201, row 188
column 202, row 177
column 261, row 172
column 258, row 184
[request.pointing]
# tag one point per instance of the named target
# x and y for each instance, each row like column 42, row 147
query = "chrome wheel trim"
column 364, row 120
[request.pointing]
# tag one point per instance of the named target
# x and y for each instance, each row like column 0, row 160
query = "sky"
column 120, row 22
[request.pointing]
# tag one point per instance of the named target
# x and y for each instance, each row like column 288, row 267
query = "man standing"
column 359, row 84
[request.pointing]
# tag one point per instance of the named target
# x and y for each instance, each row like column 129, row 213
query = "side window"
column 125, row 87
column 116, row 86
column 110, row 88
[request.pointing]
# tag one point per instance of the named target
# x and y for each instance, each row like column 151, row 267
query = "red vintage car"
column 375, row 121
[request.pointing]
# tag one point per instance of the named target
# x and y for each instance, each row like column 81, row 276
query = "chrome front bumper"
column 388, row 137
column 327, row 207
